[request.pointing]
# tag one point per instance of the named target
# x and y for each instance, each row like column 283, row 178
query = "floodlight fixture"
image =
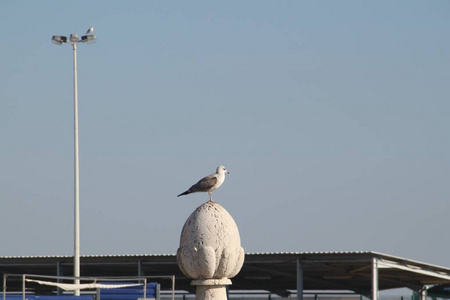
column 74, row 38
column 59, row 39
column 89, row 39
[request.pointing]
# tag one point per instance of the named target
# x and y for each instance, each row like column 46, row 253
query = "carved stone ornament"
column 210, row 250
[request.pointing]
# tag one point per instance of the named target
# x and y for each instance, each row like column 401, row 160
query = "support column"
column 4, row 286
column 59, row 273
column 299, row 280
column 140, row 268
column 374, row 279
column 423, row 293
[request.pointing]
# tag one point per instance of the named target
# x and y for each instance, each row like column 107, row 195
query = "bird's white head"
column 222, row 169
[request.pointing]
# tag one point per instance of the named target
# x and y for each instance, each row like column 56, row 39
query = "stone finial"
column 210, row 250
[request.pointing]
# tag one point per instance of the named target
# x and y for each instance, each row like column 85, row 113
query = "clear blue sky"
column 332, row 117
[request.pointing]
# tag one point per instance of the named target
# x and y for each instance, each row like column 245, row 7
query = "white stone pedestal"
column 211, row 289
column 210, row 251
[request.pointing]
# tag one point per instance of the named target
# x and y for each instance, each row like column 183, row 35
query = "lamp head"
column 59, row 39
column 89, row 39
column 74, row 38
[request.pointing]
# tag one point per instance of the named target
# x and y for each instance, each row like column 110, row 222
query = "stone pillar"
column 210, row 251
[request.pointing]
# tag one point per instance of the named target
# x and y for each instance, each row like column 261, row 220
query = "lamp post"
column 73, row 39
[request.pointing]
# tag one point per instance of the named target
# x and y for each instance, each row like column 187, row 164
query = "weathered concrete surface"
column 210, row 250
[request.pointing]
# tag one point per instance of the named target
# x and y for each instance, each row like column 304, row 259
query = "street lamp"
column 73, row 39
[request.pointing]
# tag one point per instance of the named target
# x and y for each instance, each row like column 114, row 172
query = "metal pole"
column 423, row 293
column 299, row 280
column 158, row 291
column 374, row 279
column 4, row 286
column 173, row 287
column 145, row 287
column 76, row 257
column 140, row 269
column 23, row 287
column 59, row 274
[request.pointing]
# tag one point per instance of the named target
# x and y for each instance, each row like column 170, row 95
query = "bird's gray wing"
column 204, row 184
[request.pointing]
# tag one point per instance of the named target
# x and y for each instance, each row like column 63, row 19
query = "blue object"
column 128, row 293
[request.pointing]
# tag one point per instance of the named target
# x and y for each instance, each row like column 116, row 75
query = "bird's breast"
column 220, row 180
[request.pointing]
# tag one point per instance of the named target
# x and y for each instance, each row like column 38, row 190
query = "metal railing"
column 59, row 279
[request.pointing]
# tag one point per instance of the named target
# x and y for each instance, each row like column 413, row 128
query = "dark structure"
column 283, row 274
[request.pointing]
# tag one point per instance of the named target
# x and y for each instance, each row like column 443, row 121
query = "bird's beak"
column 228, row 172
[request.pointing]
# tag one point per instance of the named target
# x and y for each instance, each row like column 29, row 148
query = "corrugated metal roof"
column 91, row 255
column 323, row 270
column 157, row 255
column 292, row 253
column 310, row 252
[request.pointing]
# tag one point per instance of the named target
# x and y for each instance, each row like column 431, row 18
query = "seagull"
column 90, row 30
column 208, row 183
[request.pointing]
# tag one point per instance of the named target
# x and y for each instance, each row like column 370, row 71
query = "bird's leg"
column 210, row 197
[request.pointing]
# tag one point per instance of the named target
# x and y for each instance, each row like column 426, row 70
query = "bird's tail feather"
column 185, row 193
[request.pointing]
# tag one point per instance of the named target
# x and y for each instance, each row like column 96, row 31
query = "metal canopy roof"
column 274, row 272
